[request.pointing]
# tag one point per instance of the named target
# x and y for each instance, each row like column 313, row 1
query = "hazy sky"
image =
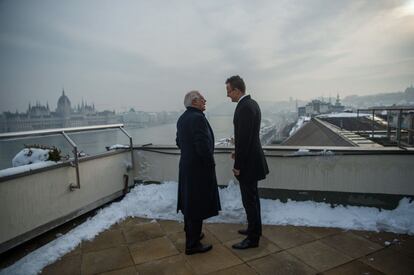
column 147, row 54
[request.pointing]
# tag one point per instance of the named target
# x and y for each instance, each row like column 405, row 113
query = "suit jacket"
column 198, row 196
column 249, row 156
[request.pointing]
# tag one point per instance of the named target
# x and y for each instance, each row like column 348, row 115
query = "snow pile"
column 159, row 201
column 225, row 142
column 307, row 152
column 25, row 168
column 302, row 152
column 29, row 156
column 118, row 146
column 301, row 121
column 353, row 115
column 27, row 160
column 344, row 115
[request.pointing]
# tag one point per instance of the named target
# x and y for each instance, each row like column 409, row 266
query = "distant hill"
column 384, row 99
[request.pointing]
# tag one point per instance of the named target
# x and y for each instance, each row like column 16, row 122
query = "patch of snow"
column 225, row 142
column 301, row 121
column 344, row 115
column 302, row 152
column 29, row 156
column 25, row 168
column 118, row 146
column 159, row 201
column 307, row 152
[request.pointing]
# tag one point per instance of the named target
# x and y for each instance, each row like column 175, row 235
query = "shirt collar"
column 191, row 108
column 242, row 97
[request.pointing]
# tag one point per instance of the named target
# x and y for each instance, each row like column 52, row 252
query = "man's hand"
column 236, row 172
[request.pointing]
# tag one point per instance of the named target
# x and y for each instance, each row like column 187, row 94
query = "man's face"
column 232, row 93
column 200, row 103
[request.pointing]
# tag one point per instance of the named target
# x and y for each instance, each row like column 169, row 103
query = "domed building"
column 63, row 106
column 42, row 117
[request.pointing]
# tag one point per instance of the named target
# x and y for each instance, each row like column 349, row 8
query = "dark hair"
column 236, row 82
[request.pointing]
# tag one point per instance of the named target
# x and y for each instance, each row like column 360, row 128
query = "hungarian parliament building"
column 41, row 117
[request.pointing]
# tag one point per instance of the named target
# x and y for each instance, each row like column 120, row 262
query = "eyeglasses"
column 200, row 98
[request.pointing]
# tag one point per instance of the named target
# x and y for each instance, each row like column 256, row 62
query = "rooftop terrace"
column 144, row 246
column 348, row 176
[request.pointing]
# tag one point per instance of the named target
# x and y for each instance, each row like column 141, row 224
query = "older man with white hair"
column 198, row 196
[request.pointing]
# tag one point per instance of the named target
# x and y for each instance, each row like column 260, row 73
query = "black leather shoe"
column 245, row 244
column 201, row 236
column 200, row 248
column 243, row 232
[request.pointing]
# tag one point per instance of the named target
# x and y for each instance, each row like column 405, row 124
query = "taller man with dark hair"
column 198, row 196
column 250, row 164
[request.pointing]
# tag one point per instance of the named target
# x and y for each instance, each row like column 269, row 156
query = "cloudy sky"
column 147, row 54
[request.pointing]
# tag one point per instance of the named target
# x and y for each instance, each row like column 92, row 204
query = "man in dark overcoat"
column 198, row 196
column 250, row 164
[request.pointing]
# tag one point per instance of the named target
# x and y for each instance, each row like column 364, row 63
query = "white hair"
column 189, row 97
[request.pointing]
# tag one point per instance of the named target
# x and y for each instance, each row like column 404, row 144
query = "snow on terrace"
column 301, row 121
column 344, row 115
column 25, row 168
column 158, row 201
column 26, row 160
column 353, row 115
column 29, row 156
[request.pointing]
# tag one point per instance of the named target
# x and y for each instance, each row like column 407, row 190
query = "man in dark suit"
column 198, row 196
column 250, row 164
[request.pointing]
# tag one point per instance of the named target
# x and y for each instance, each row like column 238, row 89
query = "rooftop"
column 145, row 246
column 306, row 236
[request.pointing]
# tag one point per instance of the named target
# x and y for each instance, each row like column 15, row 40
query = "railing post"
column 388, row 125
column 72, row 186
column 399, row 122
column 131, row 146
column 373, row 123
column 358, row 121
column 411, row 129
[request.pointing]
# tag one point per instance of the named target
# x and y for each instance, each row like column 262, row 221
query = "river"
column 94, row 142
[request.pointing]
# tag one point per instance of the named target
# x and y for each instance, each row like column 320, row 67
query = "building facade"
column 317, row 107
column 41, row 117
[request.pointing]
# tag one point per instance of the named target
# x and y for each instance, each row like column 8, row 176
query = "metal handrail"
column 399, row 129
column 47, row 132
column 64, row 132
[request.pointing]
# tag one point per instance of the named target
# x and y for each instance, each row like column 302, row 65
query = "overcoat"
column 249, row 156
column 198, row 196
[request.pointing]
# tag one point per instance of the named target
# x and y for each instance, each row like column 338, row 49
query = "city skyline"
column 148, row 55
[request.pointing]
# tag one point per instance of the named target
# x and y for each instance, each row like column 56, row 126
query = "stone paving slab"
column 390, row 261
column 178, row 239
column 170, row 265
column 65, row 266
column 106, row 260
column 107, row 239
column 265, row 248
column 146, row 246
column 351, row 245
column 225, row 231
column 171, row 227
column 282, row 263
column 141, row 232
column 124, row 271
column 152, row 250
column 353, row 268
column 287, row 236
column 319, row 255
column 242, row 269
column 319, row 232
column 218, row 258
